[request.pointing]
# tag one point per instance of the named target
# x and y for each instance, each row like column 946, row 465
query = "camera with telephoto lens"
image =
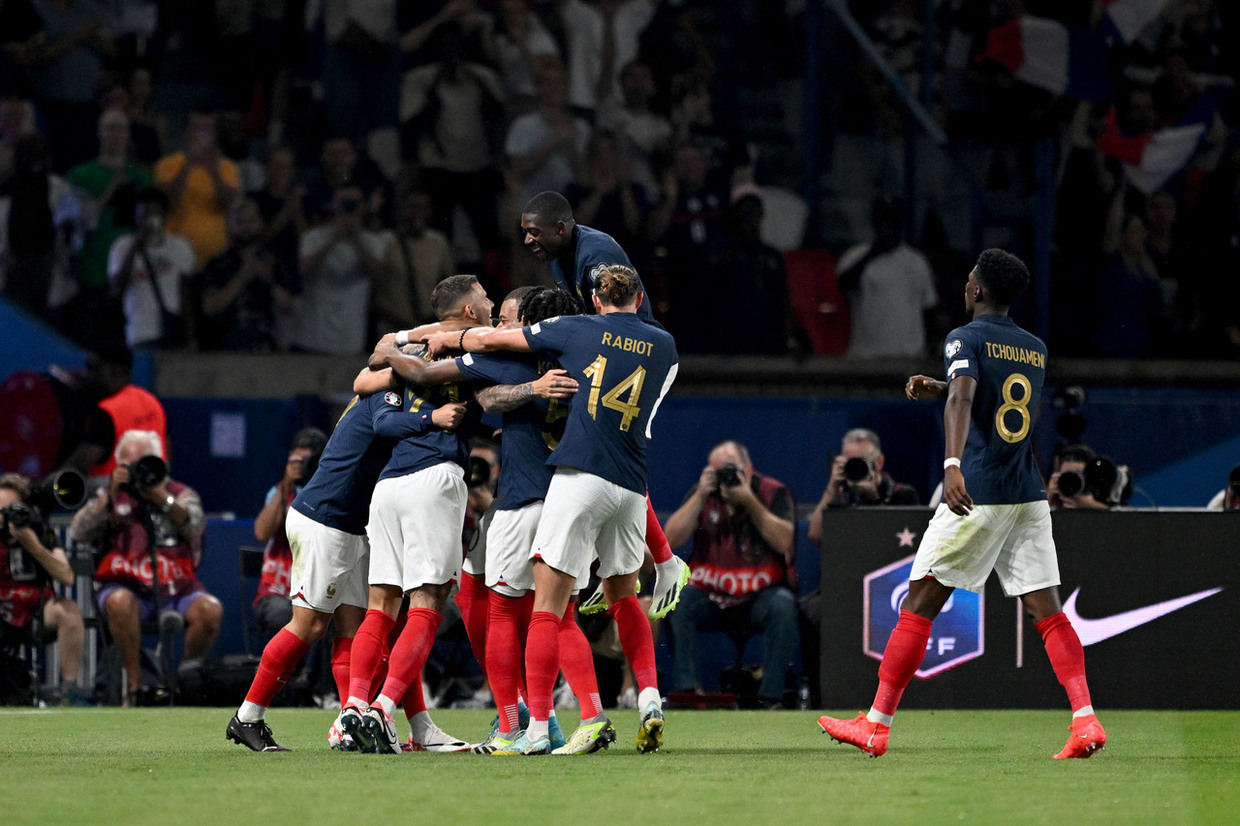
column 858, row 469
column 146, row 473
column 1109, row 483
column 728, row 476
column 479, row 472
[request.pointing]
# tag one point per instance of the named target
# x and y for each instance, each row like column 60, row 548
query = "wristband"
column 402, row 338
column 952, row 462
column 460, row 345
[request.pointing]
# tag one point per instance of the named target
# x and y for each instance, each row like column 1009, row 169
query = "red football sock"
column 636, row 640
column 542, row 663
column 473, row 600
column 410, row 652
column 280, row 658
column 523, row 634
column 906, row 648
column 369, row 643
column 656, row 540
column 414, row 701
column 504, row 657
column 342, row 649
column 1067, row 656
column 577, row 663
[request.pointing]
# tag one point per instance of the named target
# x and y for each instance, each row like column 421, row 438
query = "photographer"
column 1228, row 499
column 1082, row 480
column 29, row 561
column 857, row 478
column 742, row 527
column 140, row 514
column 273, row 607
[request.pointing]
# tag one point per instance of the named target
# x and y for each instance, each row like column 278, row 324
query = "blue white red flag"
column 1153, row 158
column 1067, row 60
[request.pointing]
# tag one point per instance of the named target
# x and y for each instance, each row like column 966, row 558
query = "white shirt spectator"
column 887, row 306
column 172, row 259
column 335, row 302
column 583, row 28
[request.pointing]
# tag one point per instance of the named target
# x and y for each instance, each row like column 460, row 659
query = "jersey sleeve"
column 550, row 335
column 483, row 369
column 960, row 354
column 389, row 417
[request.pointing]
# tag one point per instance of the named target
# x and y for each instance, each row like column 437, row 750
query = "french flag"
column 1067, row 60
column 1152, row 159
column 1126, row 19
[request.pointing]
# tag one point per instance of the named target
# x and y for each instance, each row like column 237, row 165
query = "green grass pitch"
column 172, row 766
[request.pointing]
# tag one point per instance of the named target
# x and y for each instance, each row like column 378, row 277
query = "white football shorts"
column 329, row 565
column 584, row 513
column 475, row 563
column 415, row 527
column 1012, row 540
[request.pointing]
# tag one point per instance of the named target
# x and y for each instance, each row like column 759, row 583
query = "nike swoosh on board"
column 1096, row 630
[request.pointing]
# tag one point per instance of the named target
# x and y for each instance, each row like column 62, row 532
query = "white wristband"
column 402, row 338
column 952, row 462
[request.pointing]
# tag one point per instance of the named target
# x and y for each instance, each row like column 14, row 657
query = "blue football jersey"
column 1009, row 365
column 531, row 431
column 423, row 450
column 338, row 495
column 624, row 367
column 594, row 250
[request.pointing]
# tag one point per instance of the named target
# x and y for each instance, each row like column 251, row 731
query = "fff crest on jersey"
column 958, row 634
column 953, row 347
column 392, row 398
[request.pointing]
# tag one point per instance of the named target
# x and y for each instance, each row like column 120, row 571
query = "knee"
column 206, row 612
column 121, row 606
column 63, row 615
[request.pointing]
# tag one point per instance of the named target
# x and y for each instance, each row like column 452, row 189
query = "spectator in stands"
column 340, row 166
column 273, row 608
column 643, row 133
column 134, row 518
column 420, row 22
column 150, row 269
column 743, row 530
column 361, row 64
column 752, row 274
column 245, row 289
column 66, row 74
column 520, row 41
column 106, row 188
column 601, row 38
column 858, row 479
column 30, row 561
column 339, row 261
column 1132, row 320
column 282, row 203
column 200, row 184
column 21, row 36
column 121, row 407
column 452, row 120
column 16, row 122
column 417, row 259
column 889, row 286
column 545, row 147
column 147, row 125
column 606, row 196
column 687, row 226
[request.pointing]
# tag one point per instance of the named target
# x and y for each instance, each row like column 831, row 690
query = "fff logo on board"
column 958, row 634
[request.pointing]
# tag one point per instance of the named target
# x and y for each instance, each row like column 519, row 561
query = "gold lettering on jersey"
column 1022, row 355
column 629, row 345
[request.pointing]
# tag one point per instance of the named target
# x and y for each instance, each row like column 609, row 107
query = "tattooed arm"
column 500, row 398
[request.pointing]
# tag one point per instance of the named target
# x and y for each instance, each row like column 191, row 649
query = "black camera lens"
column 857, row 469
column 147, row 472
column 727, row 476
column 479, row 472
column 18, row 514
column 1071, row 483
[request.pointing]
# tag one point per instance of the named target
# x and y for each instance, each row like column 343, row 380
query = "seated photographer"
column 143, row 513
column 1228, row 499
column 273, row 606
column 1082, row 480
column 30, row 561
column 858, row 478
column 743, row 532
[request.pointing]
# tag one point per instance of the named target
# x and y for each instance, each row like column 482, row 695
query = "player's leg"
column 552, row 590
column 595, row 730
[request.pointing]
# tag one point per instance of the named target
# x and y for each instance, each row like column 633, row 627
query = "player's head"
column 547, row 225
column 510, row 307
column 547, row 302
column 617, row 287
column 997, row 281
column 461, row 297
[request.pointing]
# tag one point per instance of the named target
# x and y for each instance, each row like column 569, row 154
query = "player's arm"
column 390, row 420
column 500, row 398
column 924, row 387
column 956, row 419
column 478, row 340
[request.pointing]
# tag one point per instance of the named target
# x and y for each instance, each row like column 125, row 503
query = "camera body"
column 18, row 514
column 728, row 476
column 1109, row 483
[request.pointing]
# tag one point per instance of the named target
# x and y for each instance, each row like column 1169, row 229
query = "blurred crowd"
column 297, row 175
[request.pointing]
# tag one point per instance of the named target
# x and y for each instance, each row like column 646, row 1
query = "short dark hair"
column 310, row 437
column 447, row 295
column 550, row 206
column 1002, row 275
column 152, row 195
column 543, row 303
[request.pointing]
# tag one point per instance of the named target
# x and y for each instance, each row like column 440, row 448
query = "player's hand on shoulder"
column 449, row 416
column 437, row 343
column 555, row 384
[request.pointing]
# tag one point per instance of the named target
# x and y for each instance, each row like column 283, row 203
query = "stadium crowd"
column 329, row 162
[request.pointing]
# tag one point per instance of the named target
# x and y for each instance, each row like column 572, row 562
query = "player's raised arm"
column 919, row 388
